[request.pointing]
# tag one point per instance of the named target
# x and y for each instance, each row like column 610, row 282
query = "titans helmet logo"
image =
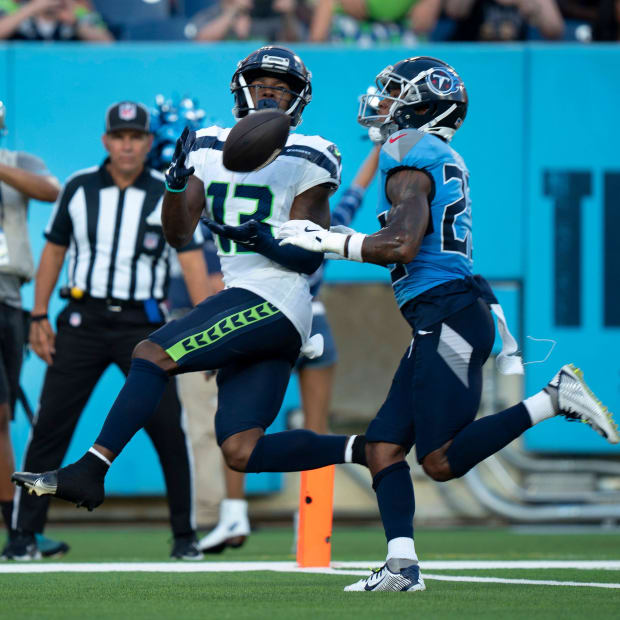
column 441, row 82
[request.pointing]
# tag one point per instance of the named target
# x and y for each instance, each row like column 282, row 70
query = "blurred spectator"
column 504, row 20
column 601, row 17
column 22, row 177
column 367, row 22
column 269, row 20
column 51, row 20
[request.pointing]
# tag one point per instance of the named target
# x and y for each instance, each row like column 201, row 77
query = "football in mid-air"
column 256, row 140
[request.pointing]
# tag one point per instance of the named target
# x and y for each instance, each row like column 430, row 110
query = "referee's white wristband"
column 354, row 247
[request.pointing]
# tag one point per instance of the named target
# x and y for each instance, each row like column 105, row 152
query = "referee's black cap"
column 127, row 115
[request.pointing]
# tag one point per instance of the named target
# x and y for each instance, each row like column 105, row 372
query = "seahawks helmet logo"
column 441, row 82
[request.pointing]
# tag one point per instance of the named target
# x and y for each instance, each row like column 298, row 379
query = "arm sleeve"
column 289, row 256
column 60, row 225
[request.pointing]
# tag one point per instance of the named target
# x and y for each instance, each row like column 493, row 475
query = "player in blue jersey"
column 426, row 242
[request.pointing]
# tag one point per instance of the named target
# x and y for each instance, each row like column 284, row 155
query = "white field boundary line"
column 282, row 567
column 528, row 582
column 501, row 564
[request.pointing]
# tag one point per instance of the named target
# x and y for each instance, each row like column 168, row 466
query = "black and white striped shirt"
column 116, row 243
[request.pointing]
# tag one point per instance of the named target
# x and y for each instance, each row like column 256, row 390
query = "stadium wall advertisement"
column 539, row 141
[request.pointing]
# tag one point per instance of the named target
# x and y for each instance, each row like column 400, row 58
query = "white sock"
column 401, row 548
column 233, row 509
column 99, row 455
column 348, row 449
column 540, row 407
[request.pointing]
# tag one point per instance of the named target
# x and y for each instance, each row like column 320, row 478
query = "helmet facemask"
column 243, row 95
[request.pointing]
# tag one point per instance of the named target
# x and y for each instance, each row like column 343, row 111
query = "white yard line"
column 337, row 568
column 494, row 564
column 529, row 582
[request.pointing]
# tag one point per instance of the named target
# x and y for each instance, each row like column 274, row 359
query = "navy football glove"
column 178, row 173
column 246, row 234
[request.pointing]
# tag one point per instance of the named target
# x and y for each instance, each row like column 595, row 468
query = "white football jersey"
column 265, row 195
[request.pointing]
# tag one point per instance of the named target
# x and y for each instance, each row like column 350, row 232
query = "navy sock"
column 485, row 437
column 394, row 490
column 134, row 406
column 298, row 450
column 7, row 512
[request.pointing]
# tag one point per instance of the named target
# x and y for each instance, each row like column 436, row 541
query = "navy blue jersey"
column 445, row 253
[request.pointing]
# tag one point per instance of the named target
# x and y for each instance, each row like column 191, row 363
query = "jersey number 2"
column 218, row 192
column 449, row 240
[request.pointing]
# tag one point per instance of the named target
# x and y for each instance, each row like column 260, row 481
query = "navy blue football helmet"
column 425, row 93
column 277, row 62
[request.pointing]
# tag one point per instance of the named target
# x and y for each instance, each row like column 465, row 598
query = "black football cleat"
column 186, row 548
column 81, row 483
column 21, row 547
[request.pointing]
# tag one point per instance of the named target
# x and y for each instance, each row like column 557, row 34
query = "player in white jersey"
column 305, row 164
column 252, row 332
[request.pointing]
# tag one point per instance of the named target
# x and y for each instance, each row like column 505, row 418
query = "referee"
column 109, row 217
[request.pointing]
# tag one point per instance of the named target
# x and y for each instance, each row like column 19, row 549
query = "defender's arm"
column 407, row 222
column 408, row 190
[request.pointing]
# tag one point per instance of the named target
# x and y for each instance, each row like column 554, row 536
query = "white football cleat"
column 385, row 580
column 232, row 529
column 577, row 402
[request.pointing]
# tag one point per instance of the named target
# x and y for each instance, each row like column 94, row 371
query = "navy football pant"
column 436, row 390
column 253, row 345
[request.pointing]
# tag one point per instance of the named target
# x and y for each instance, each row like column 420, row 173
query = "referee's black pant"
column 91, row 337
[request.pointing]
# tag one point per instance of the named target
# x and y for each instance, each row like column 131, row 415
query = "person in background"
column 109, row 218
column 601, row 17
column 316, row 377
column 504, row 20
column 51, row 20
column 374, row 21
column 22, row 177
column 268, row 20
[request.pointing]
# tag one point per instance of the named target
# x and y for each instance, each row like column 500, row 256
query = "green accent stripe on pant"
column 222, row 328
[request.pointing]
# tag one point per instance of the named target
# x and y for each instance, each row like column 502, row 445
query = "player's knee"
column 237, row 452
column 437, row 467
column 152, row 352
column 380, row 455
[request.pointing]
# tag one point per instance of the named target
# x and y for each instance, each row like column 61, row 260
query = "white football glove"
column 310, row 236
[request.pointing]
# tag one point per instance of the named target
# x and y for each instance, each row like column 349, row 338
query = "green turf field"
column 275, row 595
